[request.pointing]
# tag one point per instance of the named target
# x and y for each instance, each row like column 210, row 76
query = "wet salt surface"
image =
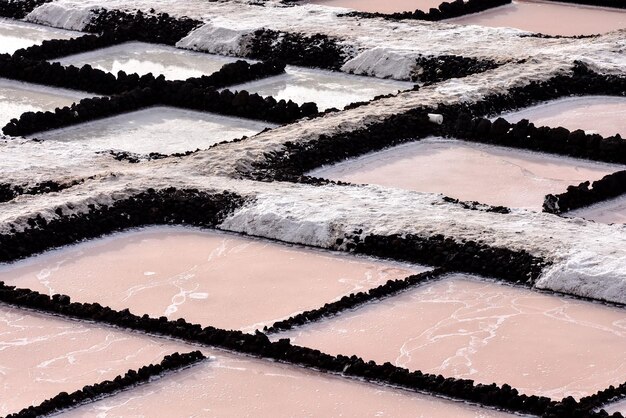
column 157, row 129
column 143, row 58
column 474, row 172
column 41, row 356
column 468, row 328
column 604, row 115
column 15, row 35
column 17, row 97
column 610, row 212
column 230, row 386
column 549, row 18
column 380, row 6
column 616, row 407
column 206, row 277
column 326, row 88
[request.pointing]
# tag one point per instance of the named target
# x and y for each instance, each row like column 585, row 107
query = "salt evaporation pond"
column 41, row 356
column 206, row 277
column 466, row 171
column 380, row 6
column 549, row 18
column 326, row 88
column 232, row 386
column 610, row 212
column 467, row 328
column 143, row 58
column 158, row 129
column 16, row 35
column 616, row 407
column 17, row 97
column 604, row 115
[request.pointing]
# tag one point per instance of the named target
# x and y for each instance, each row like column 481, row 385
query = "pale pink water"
column 609, row 212
column 467, row 328
column 381, row 6
column 228, row 386
column 604, row 115
column 488, row 174
column 41, row 356
column 205, row 277
column 549, row 18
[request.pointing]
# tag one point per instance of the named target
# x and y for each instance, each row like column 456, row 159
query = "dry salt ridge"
column 570, row 255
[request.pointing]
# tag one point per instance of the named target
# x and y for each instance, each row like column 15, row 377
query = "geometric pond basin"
column 230, row 386
column 380, row 6
column 15, row 35
column 41, row 356
column 206, row 277
column 143, row 58
column 604, row 115
column 468, row 328
column 159, row 129
column 468, row 171
column 549, row 18
column 326, row 88
column 17, row 97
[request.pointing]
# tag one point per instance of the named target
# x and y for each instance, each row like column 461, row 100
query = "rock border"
column 503, row 397
column 608, row 187
column 92, row 393
column 446, row 10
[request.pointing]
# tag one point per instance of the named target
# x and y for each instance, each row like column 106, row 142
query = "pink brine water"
column 41, row 356
column 549, row 18
column 228, row 386
column 474, row 172
column 209, row 278
column 468, row 328
column 381, row 6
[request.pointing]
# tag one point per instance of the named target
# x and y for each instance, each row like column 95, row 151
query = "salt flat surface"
column 604, row 115
column 15, row 35
column 609, row 212
column 380, row 6
column 205, row 277
column 17, row 97
column 468, row 172
column 157, row 129
column 143, row 58
column 466, row 328
column 326, row 88
column 227, row 385
column 41, row 356
column 549, row 18
column 616, row 407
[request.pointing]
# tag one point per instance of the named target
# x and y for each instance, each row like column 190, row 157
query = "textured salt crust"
column 229, row 23
column 616, row 407
column 17, row 97
column 589, row 259
column 379, row 6
column 549, row 18
column 41, row 356
column 209, row 278
column 15, row 35
column 610, row 212
column 228, row 385
column 325, row 88
column 465, row 171
column 143, row 58
column 157, row 129
column 605, row 115
column 466, row 328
